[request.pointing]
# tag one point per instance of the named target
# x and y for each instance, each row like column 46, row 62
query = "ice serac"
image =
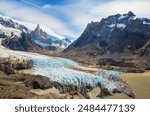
column 116, row 40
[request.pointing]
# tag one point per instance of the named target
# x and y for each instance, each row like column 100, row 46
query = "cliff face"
column 117, row 38
column 22, row 43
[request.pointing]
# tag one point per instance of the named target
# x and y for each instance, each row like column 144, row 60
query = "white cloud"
column 140, row 8
column 34, row 15
column 77, row 14
column 47, row 6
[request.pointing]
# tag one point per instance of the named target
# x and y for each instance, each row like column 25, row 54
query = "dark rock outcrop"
column 22, row 43
column 6, row 69
column 8, row 66
column 72, row 88
column 104, row 92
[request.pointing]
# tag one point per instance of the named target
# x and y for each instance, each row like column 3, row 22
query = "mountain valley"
column 36, row 61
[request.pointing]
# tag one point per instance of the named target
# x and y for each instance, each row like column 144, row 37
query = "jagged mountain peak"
column 16, row 36
column 117, row 36
column 131, row 14
column 39, row 31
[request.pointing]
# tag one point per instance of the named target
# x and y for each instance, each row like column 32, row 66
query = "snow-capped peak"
column 31, row 26
column 48, row 30
column 129, row 15
column 146, row 23
column 46, row 34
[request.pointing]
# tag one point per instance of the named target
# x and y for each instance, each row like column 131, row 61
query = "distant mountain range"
column 122, row 40
column 20, row 35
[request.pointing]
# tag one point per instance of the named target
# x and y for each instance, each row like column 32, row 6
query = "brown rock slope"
column 18, row 86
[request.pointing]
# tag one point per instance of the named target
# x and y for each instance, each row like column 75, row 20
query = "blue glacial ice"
column 57, row 70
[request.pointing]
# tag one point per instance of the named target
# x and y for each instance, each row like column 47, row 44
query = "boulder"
column 104, row 93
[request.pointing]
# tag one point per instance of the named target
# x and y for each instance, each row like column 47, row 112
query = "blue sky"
column 70, row 17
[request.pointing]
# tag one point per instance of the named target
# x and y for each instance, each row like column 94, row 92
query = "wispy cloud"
column 71, row 18
column 30, row 13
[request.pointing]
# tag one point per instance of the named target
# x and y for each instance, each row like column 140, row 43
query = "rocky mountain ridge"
column 16, row 36
column 118, row 40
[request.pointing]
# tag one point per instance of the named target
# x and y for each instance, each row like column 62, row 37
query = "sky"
column 70, row 17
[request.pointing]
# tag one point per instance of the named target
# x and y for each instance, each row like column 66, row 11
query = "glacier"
column 57, row 69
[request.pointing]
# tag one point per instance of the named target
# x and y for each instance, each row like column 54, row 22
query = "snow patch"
column 41, row 44
column 8, row 31
column 122, row 17
column 117, row 25
column 146, row 23
column 98, row 35
column 112, row 25
column 121, row 25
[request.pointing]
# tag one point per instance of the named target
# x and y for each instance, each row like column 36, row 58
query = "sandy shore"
column 140, row 83
column 44, row 92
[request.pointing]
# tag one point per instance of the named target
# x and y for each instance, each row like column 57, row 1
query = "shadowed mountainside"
column 118, row 40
